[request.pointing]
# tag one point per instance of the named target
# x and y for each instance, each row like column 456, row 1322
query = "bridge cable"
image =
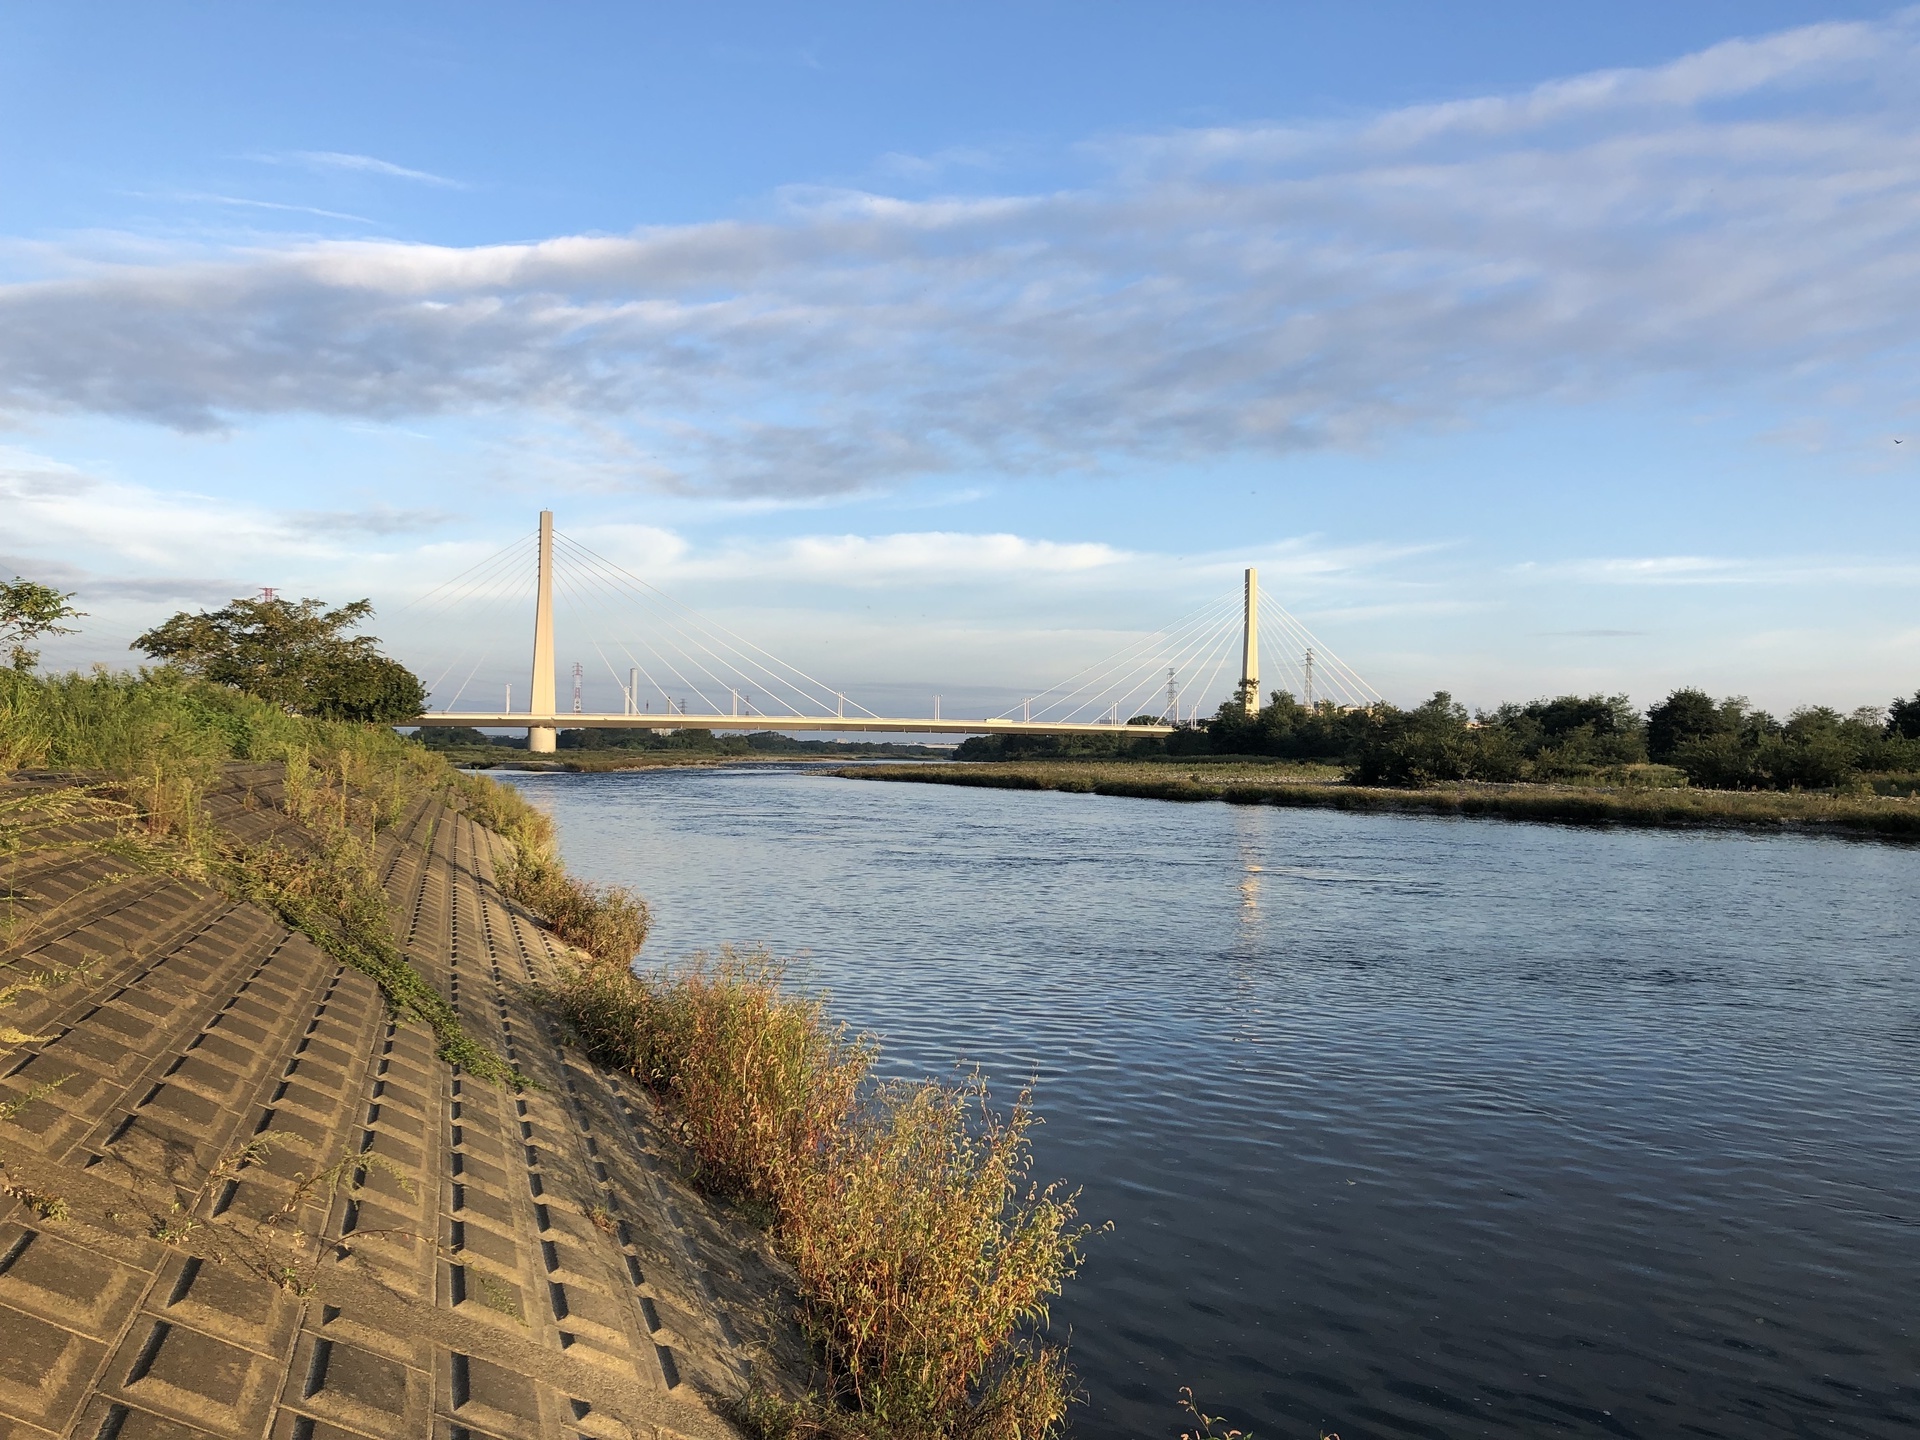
column 691, row 618
column 771, row 681
column 1146, row 652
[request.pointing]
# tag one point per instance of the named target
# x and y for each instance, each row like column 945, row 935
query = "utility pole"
column 541, row 739
column 1250, row 646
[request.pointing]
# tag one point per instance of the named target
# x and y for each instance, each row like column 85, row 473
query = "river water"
column 1405, row 1126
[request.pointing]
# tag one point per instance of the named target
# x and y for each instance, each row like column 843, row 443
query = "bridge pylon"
column 542, row 739
column 1250, row 646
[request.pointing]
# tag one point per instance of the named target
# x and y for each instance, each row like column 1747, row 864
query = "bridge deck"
column 497, row 719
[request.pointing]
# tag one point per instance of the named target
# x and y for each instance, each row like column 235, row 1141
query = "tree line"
column 295, row 655
column 1726, row 744
column 300, row 656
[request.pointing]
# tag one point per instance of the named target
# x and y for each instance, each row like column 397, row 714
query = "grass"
column 1636, row 804
column 926, row 1256
column 147, row 749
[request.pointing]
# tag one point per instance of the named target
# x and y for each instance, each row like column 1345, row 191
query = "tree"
column 442, row 737
column 28, row 611
column 296, row 656
column 1432, row 742
column 1683, row 716
column 1903, row 718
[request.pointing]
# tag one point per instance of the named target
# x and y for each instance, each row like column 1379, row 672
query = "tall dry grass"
column 926, row 1256
column 609, row 922
column 929, row 1259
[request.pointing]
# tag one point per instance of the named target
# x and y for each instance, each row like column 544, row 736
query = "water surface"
column 1406, row 1126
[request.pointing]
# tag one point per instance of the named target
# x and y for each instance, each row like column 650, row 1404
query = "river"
column 1405, row 1126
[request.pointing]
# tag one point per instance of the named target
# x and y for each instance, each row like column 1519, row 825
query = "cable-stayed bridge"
column 686, row 671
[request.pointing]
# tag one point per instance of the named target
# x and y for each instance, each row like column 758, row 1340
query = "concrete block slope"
column 242, row 1201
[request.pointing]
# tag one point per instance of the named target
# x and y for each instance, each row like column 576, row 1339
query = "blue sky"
column 944, row 348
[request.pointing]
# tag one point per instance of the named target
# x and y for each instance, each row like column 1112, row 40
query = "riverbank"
column 279, row 1098
column 187, row 873
column 1876, row 816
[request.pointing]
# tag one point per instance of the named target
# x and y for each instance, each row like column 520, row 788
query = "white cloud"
column 1746, row 215
column 56, row 510
column 928, row 557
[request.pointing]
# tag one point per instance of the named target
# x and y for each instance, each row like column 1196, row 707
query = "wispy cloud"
column 129, row 528
column 1592, row 634
column 195, row 197
column 1721, row 570
column 364, row 164
column 1749, row 215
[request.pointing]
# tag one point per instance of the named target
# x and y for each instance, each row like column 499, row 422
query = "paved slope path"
column 241, row 1201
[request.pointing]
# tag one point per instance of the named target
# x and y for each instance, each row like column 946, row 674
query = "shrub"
column 928, row 1261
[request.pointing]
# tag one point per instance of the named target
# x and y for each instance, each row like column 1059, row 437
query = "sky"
column 946, row 349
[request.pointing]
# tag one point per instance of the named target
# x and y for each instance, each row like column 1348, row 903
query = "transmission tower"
column 1309, row 670
column 1173, row 696
column 576, row 687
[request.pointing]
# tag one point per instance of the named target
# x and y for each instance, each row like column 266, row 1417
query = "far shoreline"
column 1866, row 816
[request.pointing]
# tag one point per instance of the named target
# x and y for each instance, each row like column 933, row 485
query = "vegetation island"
column 1689, row 760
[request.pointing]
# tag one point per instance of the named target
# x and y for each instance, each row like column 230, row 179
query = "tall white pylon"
column 541, row 738
column 1250, row 647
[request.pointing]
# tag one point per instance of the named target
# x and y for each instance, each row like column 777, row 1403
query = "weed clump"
column 609, row 922
column 925, row 1255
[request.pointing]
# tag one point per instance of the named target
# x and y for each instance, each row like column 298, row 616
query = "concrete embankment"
column 241, row 1201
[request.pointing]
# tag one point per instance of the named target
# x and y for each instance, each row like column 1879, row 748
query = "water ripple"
column 1407, row 1126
